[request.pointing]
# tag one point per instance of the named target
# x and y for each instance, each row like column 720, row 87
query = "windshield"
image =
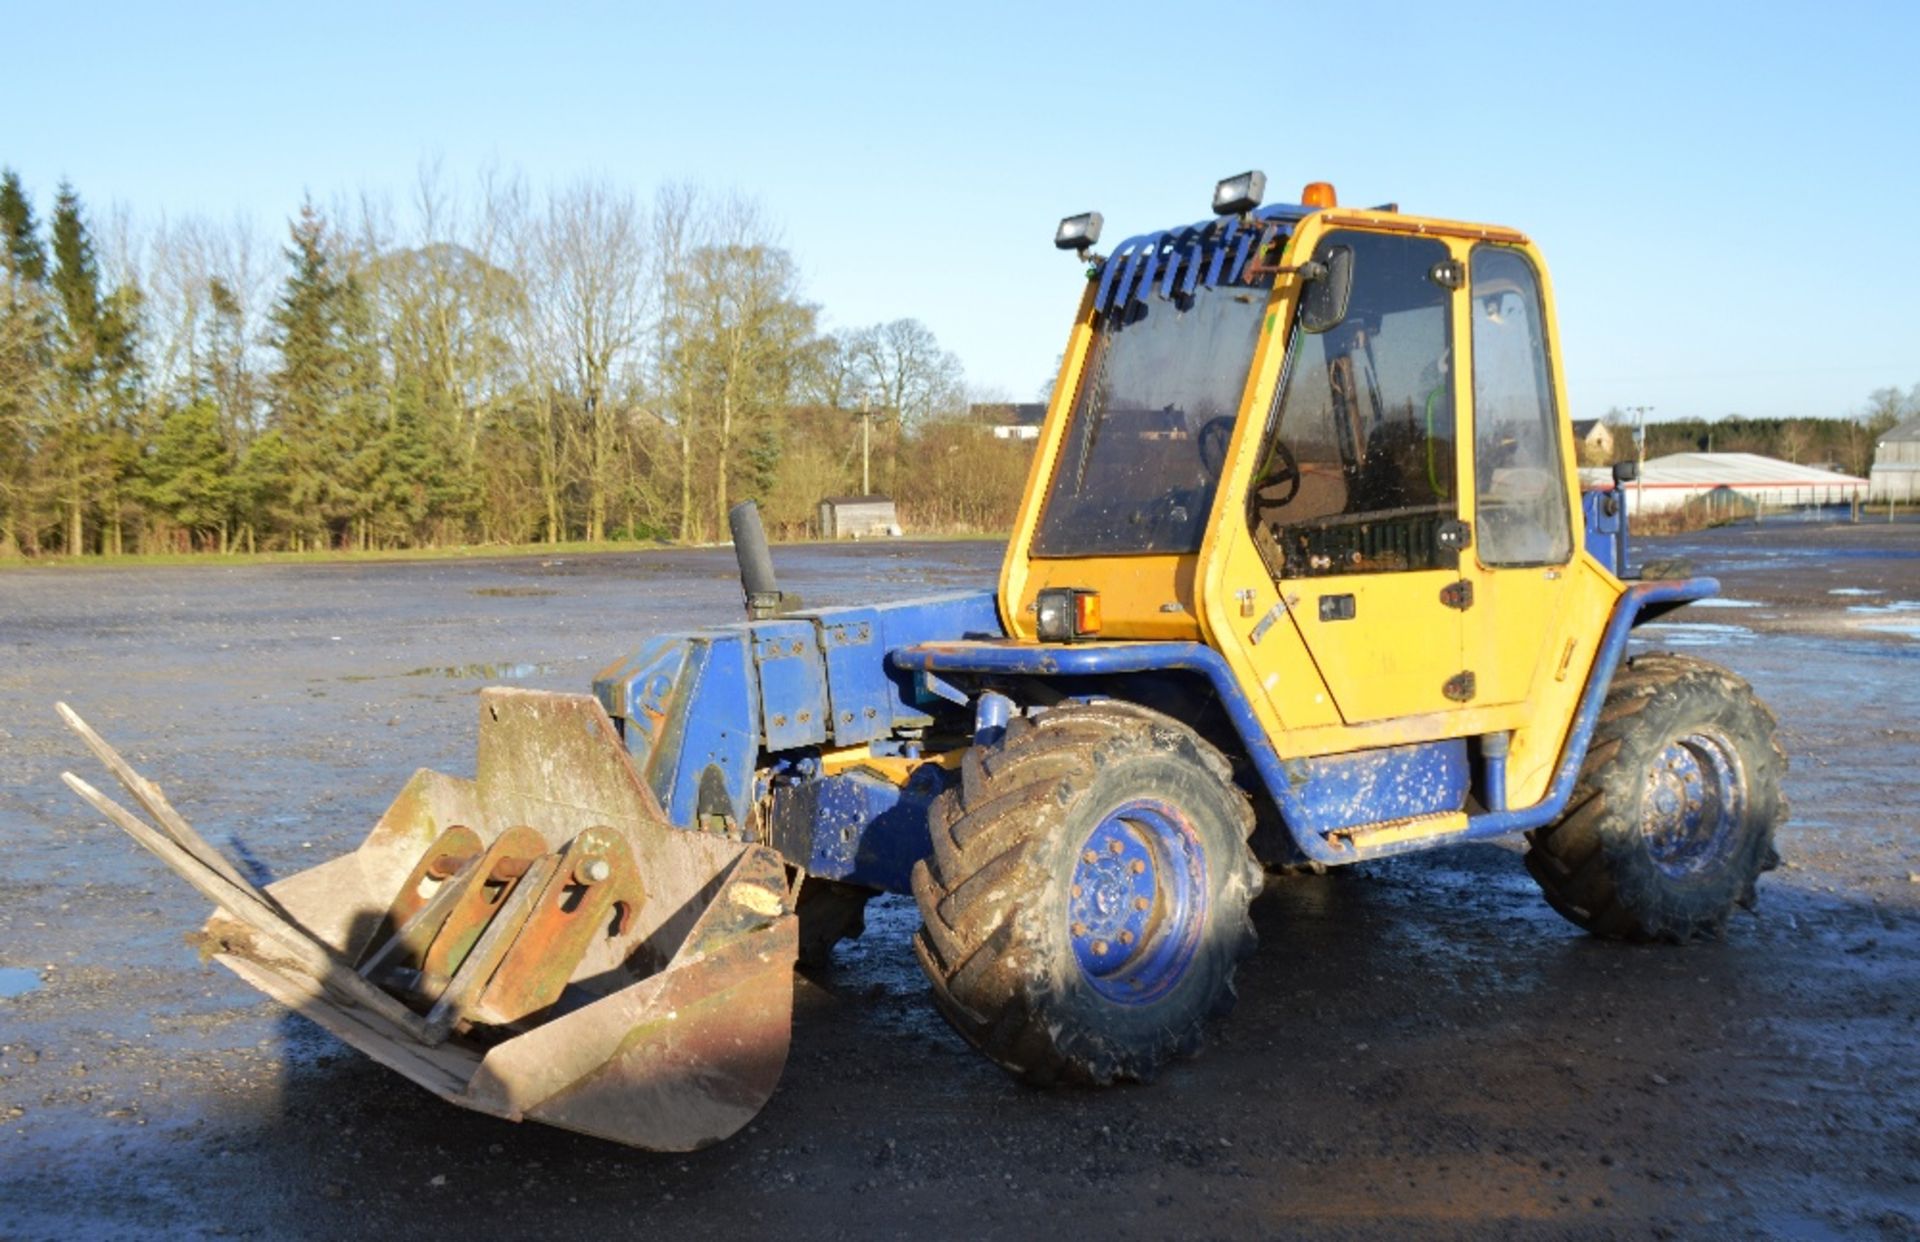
column 1148, row 435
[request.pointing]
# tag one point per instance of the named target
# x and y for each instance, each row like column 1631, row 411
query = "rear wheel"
column 1673, row 818
column 1085, row 902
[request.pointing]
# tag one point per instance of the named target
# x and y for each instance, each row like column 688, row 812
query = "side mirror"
column 1323, row 303
column 1625, row 472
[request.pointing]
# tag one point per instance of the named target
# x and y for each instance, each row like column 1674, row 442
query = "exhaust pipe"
column 763, row 595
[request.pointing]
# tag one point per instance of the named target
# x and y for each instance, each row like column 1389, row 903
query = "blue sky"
column 1723, row 192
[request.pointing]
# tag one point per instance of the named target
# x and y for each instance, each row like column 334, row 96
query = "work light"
column 1238, row 195
column 1078, row 232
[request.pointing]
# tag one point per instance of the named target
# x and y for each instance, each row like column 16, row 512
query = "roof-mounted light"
column 1236, row 196
column 1078, row 232
column 1319, row 194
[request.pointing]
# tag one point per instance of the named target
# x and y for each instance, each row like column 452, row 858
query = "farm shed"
column 857, row 517
column 1670, row 482
column 1896, row 464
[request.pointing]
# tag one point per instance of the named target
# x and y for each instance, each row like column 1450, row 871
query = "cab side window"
column 1522, row 510
column 1358, row 470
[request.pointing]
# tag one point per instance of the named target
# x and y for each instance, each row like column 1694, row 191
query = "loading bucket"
column 537, row 943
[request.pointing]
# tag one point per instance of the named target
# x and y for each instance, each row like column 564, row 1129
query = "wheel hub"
column 1137, row 901
column 1694, row 799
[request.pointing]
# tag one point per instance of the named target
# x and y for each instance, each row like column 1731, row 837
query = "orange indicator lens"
column 1086, row 613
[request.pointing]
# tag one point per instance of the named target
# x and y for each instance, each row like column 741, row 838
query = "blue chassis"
column 728, row 726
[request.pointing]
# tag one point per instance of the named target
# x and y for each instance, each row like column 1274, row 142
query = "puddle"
column 1694, row 633
column 507, row 672
column 1900, row 616
column 17, row 981
column 1854, row 591
column 1719, row 601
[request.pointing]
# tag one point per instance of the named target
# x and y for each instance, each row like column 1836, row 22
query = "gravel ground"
column 1421, row 1047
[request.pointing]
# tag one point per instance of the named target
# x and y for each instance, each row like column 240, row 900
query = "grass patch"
column 472, row 553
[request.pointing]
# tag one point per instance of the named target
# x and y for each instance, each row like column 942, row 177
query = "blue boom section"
column 716, row 718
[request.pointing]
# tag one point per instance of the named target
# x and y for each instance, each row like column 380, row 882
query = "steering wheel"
column 1283, row 472
column 1215, row 435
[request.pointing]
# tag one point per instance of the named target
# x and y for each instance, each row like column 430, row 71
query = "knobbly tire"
column 1085, row 902
column 1672, row 820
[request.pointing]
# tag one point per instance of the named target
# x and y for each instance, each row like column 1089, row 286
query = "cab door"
column 1522, row 461
column 1355, row 502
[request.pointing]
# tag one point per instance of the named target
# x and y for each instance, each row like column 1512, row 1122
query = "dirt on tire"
column 1593, row 864
column 993, row 901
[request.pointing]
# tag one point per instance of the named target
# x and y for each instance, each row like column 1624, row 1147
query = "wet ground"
column 1421, row 1048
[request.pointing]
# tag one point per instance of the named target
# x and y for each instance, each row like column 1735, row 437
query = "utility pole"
column 1640, row 413
column 866, row 414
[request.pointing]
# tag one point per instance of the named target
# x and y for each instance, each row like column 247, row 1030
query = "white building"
column 1671, row 481
column 858, row 517
column 1011, row 420
column 1896, row 464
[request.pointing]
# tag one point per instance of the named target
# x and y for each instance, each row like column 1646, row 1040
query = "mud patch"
column 15, row 981
column 486, row 672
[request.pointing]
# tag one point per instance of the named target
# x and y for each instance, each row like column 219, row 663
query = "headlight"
column 1062, row 614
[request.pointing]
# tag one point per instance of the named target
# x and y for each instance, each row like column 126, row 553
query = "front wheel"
column 1672, row 821
column 1085, row 903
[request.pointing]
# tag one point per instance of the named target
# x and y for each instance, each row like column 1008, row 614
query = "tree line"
column 1847, row 443
column 504, row 367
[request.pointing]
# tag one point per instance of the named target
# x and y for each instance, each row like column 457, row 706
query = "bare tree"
column 591, row 291
column 910, row 376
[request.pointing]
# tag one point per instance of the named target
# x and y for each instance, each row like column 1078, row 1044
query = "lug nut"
column 1079, row 929
column 1090, row 857
column 1126, row 937
column 1099, row 948
column 1137, row 867
column 1116, row 846
column 1141, row 903
column 1076, row 890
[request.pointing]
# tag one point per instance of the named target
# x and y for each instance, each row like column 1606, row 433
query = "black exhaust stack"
column 764, row 598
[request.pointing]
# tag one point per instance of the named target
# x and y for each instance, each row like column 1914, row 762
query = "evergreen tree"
column 24, row 370
column 325, row 394
column 260, row 494
column 24, row 256
column 91, row 429
column 187, row 475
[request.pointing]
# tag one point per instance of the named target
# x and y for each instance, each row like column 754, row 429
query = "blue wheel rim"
column 1137, row 902
column 1695, row 800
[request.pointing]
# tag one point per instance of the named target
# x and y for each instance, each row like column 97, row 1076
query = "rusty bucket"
column 536, row 943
